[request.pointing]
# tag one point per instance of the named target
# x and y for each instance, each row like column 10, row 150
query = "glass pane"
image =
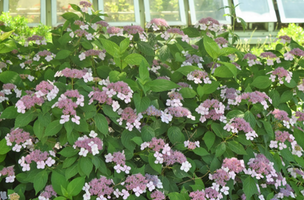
column 168, row 10
column 257, row 6
column 64, row 6
column 119, row 10
column 209, row 8
column 293, row 8
column 26, row 8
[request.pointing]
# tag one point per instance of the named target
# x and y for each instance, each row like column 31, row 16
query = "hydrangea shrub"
column 126, row 113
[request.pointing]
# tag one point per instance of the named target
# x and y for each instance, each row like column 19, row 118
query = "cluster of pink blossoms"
column 65, row 102
column 197, row 76
column 281, row 73
column 221, row 42
column 175, row 31
column 192, row 59
column 239, row 124
column 152, row 111
column 100, row 187
column 92, row 52
column 230, row 94
column 285, row 39
column 9, row 172
column 294, row 52
column 89, row 145
column 48, row 193
column 164, row 154
column 119, row 159
column 20, row 138
column 86, row 74
column 251, row 59
column 271, row 57
column 40, row 158
column 208, row 24
column 39, row 40
column 157, row 23
column 255, row 97
column 7, row 90
column 137, row 183
column 283, row 116
column 48, row 56
column 28, row 101
column 46, row 89
column 130, row 117
column 191, row 145
column 280, row 138
column 85, row 6
column 114, row 31
column 228, row 171
column 301, row 85
column 211, row 109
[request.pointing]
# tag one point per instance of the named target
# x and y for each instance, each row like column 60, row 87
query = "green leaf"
column 40, row 181
column 24, row 119
column 9, row 113
column 261, row 82
column 62, row 54
column 4, row 148
column 71, row 171
column 5, row 35
column 144, row 72
column 135, row 59
column 185, row 70
column 175, row 135
column 58, row 180
column 161, row 85
column 111, row 47
column 200, row 151
column 249, row 117
column 226, row 70
column 38, row 129
column 53, row 128
column 292, row 84
column 75, row 186
column 156, row 167
column 164, row 53
column 220, row 149
column 243, row 23
column 101, row 123
column 187, row 92
column 141, row 103
column 123, row 46
column 211, row 47
column 199, row 184
column 145, row 48
column 227, row 50
column 68, row 152
column 86, row 165
column 11, row 77
column 147, row 133
column 249, row 187
column 286, row 96
column 207, row 88
column 70, row 16
column 235, row 113
column 209, row 139
column 75, row 7
column 126, row 137
column 268, row 129
column 236, row 147
column 7, row 46
column 69, row 161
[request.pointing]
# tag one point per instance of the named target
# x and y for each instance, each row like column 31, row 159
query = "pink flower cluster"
column 221, row 42
column 283, row 116
column 208, row 24
column 239, row 124
column 285, row 39
column 175, row 99
column 100, row 187
column 103, row 23
column 86, row 74
column 137, row 183
column 133, row 29
column 89, row 145
column 164, row 154
column 158, row 195
column 28, row 101
column 197, row 75
column 65, row 102
column 281, row 73
column 20, row 138
column 252, row 59
column 271, row 57
column 175, row 31
column 297, row 52
column 280, row 138
column 46, row 88
column 230, row 94
column 48, row 193
column 152, row 111
column 39, row 157
column 45, row 53
column 157, row 23
column 191, row 145
column 255, row 97
column 119, row 159
column 192, row 59
column 130, row 117
column 7, row 90
column 211, row 109
column 92, row 52
column 39, row 40
column 9, row 172
column 115, row 31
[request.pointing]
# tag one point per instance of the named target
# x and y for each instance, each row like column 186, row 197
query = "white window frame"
column 136, row 14
column 194, row 19
column 254, row 17
column 42, row 11
column 284, row 18
column 182, row 13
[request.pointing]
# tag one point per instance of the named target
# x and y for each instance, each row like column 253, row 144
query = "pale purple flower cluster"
column 92, row 52
column 252, row 59
column 175, row 31
column 191, row 145
column 48, row 56
column 281, row 73
column 283, row 116
column 211, row 109
column 300, row 116
column 120, row 89
column 103, row 23
column 65, row 102
column 164, row 154
column 9, row 172
column 101, row 187
column 89, row 145
column 85, row 4
column 192, row 59
column 153, row 182
column 48, row 193
column 86, row 74
column 221, row 42
column 197, row 75
column 114, row 31
column 119, row 159
column 27, row 102
column 234, row 165
column 280, row 138
column 297, row 52
column 7, row 89
column 255, row 97
column 197, row 195
column 39, row 40
column 132, row 119
column 152, row 111
column 155, row 66
column 175, row 99
column 46, row 89
column 178, row 111
column 294, row 172
column 239, row 124
column 158, row 195
column 271, row 57
column 157, row 23
column 285, row 39
column 137, row 183
column 133, row 29
column 100, row 96
column 20, row 137
column 301, row 85
column 230, row 94
column 208, row 24
column 39, row 157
